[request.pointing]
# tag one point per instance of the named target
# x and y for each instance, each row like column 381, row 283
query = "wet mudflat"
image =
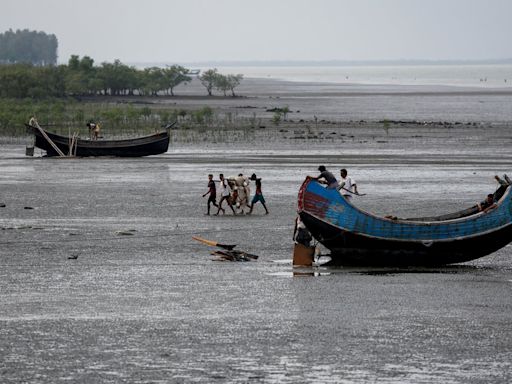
column 143, row 302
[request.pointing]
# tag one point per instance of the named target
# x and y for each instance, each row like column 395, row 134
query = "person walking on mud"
column 212, row 190
column 258, row 195
column 224, row 189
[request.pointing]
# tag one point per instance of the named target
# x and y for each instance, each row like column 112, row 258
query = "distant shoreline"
column 326, row 63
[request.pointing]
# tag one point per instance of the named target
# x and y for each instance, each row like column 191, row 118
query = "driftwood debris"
column 227, row 253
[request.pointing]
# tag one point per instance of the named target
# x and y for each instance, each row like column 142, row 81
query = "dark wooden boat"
column 141, row 146
column 355, row 237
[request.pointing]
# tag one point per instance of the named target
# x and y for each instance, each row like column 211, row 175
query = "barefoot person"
column 224, row 190
column 212, row 190
column 258, row 195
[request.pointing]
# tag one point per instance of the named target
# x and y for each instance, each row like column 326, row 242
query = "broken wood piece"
column 228, row 253
column 214, row 243
column 236, row 255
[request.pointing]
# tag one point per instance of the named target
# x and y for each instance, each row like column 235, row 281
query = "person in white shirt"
column 224, row 190
column 347, row 185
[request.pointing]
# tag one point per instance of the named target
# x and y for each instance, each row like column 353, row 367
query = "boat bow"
column 346, row 229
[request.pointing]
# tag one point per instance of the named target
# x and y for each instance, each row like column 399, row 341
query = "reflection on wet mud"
column 152, row 306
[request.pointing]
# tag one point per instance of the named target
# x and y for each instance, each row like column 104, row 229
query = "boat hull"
column 143, row 146
column 349, row 248
column 355, row 237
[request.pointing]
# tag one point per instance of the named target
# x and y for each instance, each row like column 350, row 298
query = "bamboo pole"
column 73, row 144
column 76, row 144
column 35, row 124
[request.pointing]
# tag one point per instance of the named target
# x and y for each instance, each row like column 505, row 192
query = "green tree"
column 116, row 78
column 81, row 76
column 208, row 79
column 24, row 46
column 233, row 82
column 175, row 75
column 74, row 63
column 222, row 83
column 154, row 81
column 86, row 64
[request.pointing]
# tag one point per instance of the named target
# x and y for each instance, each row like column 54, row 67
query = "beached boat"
column 141, row 146
column 355, row 237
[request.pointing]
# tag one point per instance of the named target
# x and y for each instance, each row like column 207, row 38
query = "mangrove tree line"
column 80, row 77
column 31, row 47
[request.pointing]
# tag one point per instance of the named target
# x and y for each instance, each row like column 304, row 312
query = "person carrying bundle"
column 224, row 189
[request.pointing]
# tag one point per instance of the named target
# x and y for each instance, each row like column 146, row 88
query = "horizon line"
column 333, row 62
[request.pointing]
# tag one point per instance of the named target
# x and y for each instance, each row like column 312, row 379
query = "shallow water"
column 152, row 306
column 482, row 76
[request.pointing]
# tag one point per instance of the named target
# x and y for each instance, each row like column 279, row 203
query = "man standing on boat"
column 328, row 178
column 94, row 130
column 347, row 186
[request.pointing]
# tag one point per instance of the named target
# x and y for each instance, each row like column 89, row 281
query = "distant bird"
column 73, row 257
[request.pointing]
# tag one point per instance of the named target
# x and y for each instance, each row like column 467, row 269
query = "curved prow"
column 356, row 236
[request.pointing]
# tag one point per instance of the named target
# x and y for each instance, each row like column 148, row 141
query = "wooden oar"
column 214, row 243
column 354, row 193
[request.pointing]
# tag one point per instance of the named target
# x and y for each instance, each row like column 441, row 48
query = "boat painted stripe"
column 330, row 207
column 421, row 241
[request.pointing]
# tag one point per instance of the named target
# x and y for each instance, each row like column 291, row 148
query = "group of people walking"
column 236, row 192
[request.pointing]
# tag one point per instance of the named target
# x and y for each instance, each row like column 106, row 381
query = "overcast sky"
column 181, row 31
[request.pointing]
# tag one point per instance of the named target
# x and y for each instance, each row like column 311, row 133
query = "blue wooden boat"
column 355, row 237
